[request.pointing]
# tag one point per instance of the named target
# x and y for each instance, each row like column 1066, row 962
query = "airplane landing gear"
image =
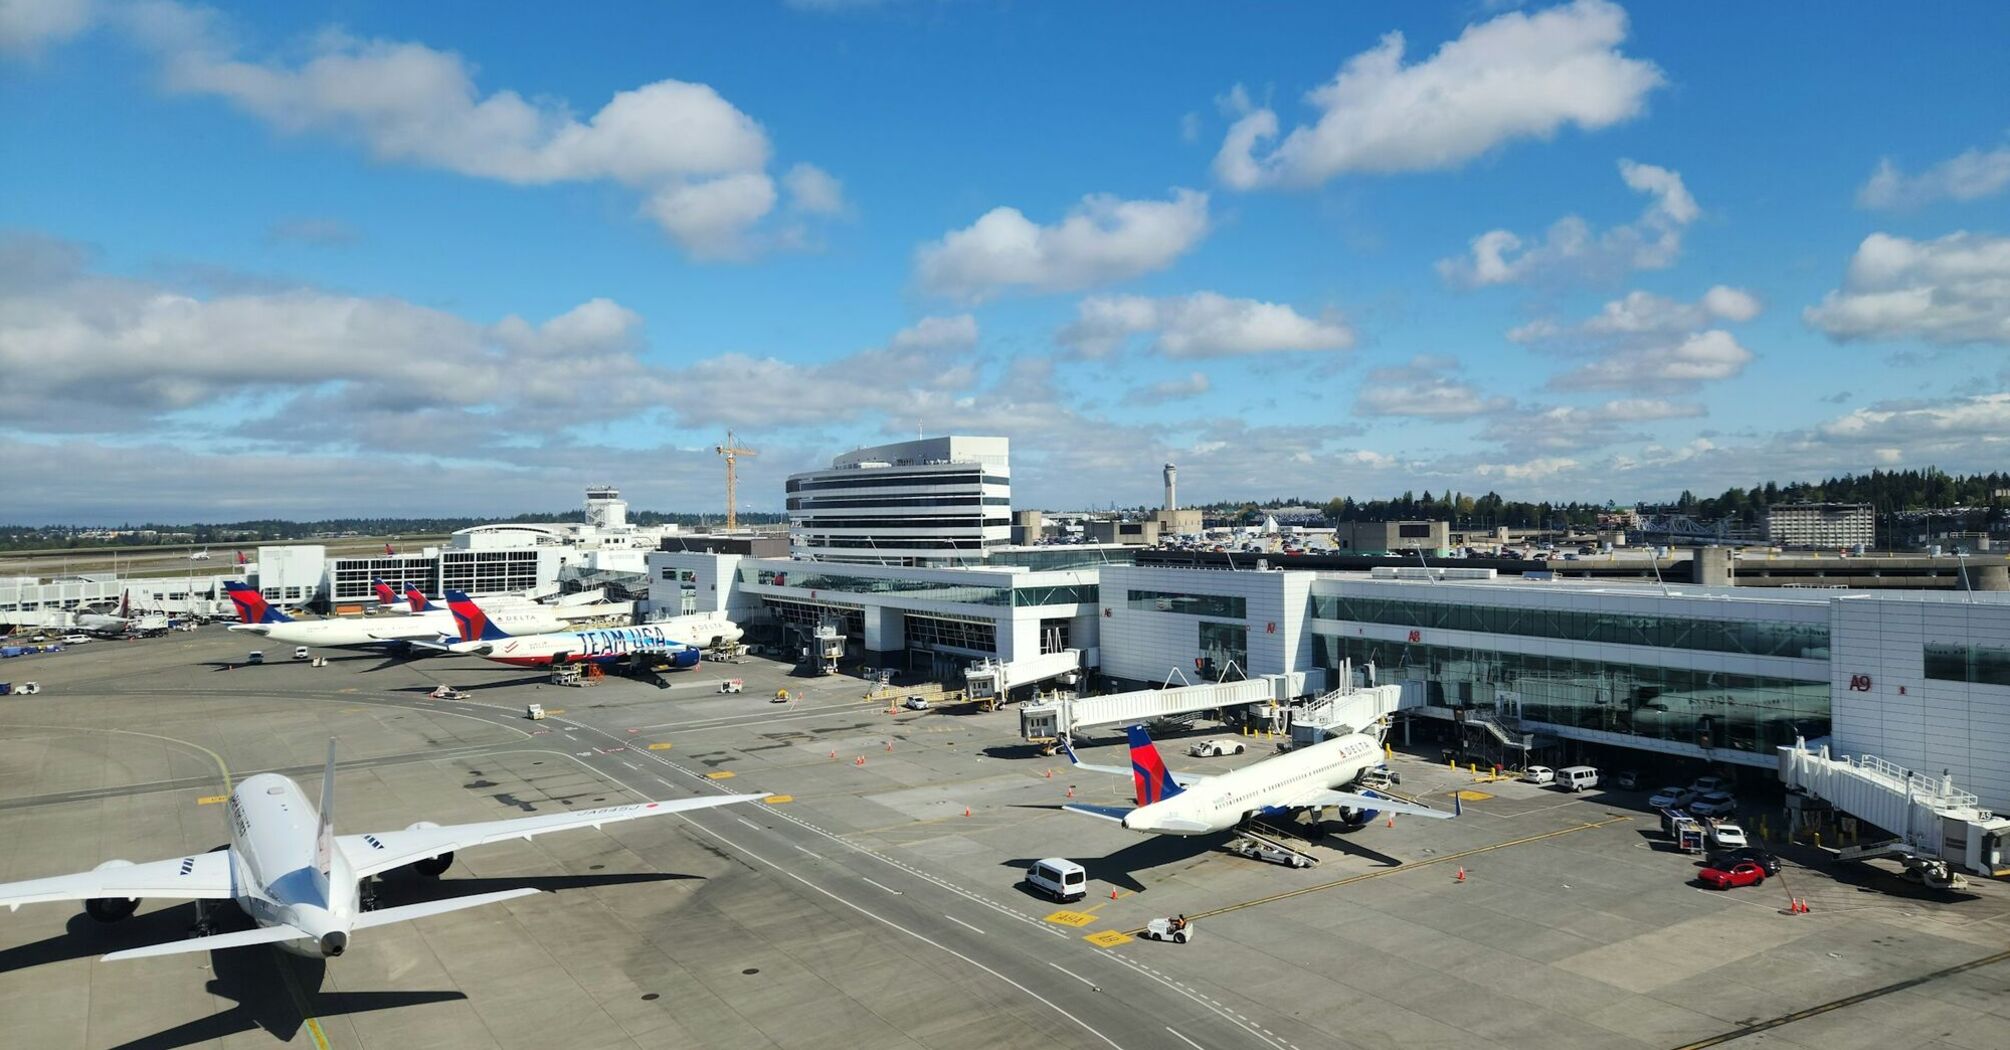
column 205, row 920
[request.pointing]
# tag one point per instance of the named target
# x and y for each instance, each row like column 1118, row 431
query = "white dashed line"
column 1075, row 975
column 963, row 924
column 1183, row 1039
column 883, row 886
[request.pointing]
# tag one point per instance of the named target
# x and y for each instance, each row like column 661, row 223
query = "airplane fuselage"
column 607, row 646
column 276, row 876
column 370, row 631
column 1223, row 802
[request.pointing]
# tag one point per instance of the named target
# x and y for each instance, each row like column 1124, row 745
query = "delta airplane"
column 301, row 882
column 121, row 622
column 1304, row 778
column 262, row 619
column 482, row 636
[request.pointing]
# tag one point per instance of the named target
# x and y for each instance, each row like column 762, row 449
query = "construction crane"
column 732, row 453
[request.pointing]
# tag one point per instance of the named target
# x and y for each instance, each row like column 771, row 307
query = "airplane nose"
column 334, row 943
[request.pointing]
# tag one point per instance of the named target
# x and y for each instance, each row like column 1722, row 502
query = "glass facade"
column 1977, row 664
column 351, row 576
column 1228, row 606
column 932, row 590
column 1807, row 641
column 1225, row 643
column 935, row 632
column 1062, row 556
column 1714, row 709
column 488, row 572
column 878, row 478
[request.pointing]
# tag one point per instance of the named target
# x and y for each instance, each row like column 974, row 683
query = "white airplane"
column 376, row 632
column 289, row 871
column 1304, row 778
column 201, row 555
column 481, row 635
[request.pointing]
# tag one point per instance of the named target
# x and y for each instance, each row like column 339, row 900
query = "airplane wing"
column 1324, row 797
column 202, row 876
column 384, row 850
column 1117, row 813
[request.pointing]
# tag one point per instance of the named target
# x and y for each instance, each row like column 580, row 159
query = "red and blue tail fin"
column 385, row 595
column 251, row 605
column 472, row 622
column 1154, row 782
column 420, row 603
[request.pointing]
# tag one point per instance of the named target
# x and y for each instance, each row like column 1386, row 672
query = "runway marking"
column 1837, row 1004
column 883, row 886
column 1071, row 918
column 748, row 823
column 1470, row 795
column 776, row 800
column 719, row 774
column 1109, row 938
column 664, row 746
column 1411, row 866
column 1075, row 975
column 963, row 924
column 799, row 848
column 211, row 800
column 923, row 938
column 1183, row 1039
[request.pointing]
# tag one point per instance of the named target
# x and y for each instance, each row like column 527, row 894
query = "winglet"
column 324, row 836
column 1457, row 808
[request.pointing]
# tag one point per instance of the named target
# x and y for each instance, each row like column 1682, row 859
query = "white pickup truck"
column 1214, row 748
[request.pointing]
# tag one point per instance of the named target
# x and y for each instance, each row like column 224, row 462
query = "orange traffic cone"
column 1050, row 774
column 1113, row 894
column 1462, row 874
column 1071, row 791
column 1392, row 822
column 966, row 811
column 834, row 754
column 889, row 745
column 859, row 761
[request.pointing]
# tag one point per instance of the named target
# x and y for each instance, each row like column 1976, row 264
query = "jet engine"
column 431, row 867
column 111, row 909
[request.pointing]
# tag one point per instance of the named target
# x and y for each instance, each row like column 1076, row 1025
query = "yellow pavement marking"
column 778, row 799
column 662, row 746
column 211, row 800
column 554, row 710
column 351, row 689
column 1108, row 938
column 352, row 710
column 1470, row 795
column 723, row 774
column 1071, row 918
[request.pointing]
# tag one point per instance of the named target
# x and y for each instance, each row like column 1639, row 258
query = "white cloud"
column 1538, row 469
column 814, row 191
column 1972, row 175
column 1517, row 76
column 1646, row 342
column 27, row 26
column 1927, row 427
column 699, row 161
column 1426, row 388
column 1570, row 248
column 1571, row 428
column 1203, row 324
column 1193, row 384
column 1951, row 291
column 1103, row 239
column 919, row 372
column 1698, row 358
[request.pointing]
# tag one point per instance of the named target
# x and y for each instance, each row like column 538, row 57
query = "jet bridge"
column 1066, row 717
column 992, row 681
column 1935, row 827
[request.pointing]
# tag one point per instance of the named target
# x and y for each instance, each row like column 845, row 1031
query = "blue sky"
column 455, row 258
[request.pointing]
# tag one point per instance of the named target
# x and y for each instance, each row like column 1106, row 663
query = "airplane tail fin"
column 324, row 836
column 251, row 605
column 125, row 603
column 1148, row 771
column 385, row 595
column 472, row 622
column 420, row 603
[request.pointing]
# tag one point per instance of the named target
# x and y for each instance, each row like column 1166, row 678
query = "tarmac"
column 877, row 900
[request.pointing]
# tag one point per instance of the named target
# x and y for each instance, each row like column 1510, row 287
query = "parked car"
column 1723, row 834
column 75, row 639
column 1626, row 780
column 1671, row 798
column 1577, row 778
column 916, row 703
column 1743, row 873
column 1215, row 748
column 1710, row 784
column 1714, row 804
column 1725, row 859
column 1538, row 775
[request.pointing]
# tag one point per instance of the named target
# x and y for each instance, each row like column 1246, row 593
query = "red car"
column 1743, row 873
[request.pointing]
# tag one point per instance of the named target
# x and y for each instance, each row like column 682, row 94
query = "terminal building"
column 938, row 501
column 1821, row 525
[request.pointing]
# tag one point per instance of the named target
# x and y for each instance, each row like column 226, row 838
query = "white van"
column 300, row 653
column 1063, row 880
column 1577, row 778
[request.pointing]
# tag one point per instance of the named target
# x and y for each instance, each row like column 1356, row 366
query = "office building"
column 1821, row 525
column 932, row 502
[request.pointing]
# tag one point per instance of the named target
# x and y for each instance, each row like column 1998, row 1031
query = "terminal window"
column 1223, row 605
column 1979, row 664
